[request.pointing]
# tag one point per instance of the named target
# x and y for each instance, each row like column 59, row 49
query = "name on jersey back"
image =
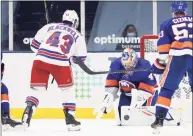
column 182, row 19
column 73, row 33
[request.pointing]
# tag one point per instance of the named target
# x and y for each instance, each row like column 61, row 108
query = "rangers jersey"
column 56, row 43
column 175, row 37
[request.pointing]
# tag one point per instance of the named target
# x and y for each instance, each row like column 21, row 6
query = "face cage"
column 75, row 24
column 133, row 64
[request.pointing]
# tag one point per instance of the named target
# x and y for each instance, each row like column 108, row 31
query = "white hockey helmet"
column 71, row 16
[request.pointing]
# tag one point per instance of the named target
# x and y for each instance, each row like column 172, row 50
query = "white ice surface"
column 95, row 128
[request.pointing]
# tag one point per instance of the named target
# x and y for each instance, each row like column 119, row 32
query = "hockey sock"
column 69, row 107
column 32, row 100
column 5, row 99
column 164, row 101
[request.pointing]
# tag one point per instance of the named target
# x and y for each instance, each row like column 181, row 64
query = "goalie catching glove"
column 107, row 103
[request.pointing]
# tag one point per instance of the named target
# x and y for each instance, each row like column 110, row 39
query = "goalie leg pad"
column 125, row 115
column 123, row 101
column 139, row 97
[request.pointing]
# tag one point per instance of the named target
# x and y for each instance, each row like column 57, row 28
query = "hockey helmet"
column 71, row 16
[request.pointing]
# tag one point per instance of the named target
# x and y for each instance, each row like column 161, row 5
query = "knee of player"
column 67, row 94
column 38, row 88
column 69, row 88
column 165, row 92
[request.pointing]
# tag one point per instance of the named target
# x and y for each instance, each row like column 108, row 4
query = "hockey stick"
column 46, row 12
column 90, row 72
column 52, row 81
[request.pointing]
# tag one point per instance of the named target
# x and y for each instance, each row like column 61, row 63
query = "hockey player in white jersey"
column 55, row 45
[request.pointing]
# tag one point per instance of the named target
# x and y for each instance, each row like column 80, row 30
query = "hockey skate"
column 8, row 123
column 71, row 123
column 158, row 124
column 27, row 115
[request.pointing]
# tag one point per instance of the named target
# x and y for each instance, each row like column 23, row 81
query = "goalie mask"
column 71, row 16
column 129, row 58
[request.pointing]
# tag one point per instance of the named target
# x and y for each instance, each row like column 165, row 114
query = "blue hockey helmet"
column 179, row 7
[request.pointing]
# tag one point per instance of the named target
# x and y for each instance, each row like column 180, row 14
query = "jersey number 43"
column 183, row 33
column 65, row 42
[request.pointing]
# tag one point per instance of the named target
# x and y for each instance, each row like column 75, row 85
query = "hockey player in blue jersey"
column 175, row 57
column 5, row 108
column 141, row 83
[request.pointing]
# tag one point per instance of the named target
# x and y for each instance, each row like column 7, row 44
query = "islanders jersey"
column 142, row 80
column 56, row 43
column 175, row 37
column 112, row 80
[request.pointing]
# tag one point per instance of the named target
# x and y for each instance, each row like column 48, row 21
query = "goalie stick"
column 90, row 72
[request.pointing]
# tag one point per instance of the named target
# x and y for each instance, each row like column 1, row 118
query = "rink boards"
column 88, row 89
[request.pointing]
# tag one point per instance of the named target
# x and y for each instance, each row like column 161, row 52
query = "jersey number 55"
column 183, row 33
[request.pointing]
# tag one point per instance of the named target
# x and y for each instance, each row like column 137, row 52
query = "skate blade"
column 5, row 127
column 10, row 128
column 25, row 125
column 156, row 131
column 73, row 128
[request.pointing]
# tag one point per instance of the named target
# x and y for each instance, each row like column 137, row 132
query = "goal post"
column 143, row 46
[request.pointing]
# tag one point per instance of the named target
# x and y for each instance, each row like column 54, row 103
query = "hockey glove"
column 159, row 66
column 105, row 107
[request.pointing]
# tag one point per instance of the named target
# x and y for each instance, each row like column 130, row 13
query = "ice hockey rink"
column 104, row 25
column 92, row 127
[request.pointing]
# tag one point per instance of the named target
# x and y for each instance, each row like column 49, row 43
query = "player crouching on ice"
column 54, row 45
column 138, row 92
column 175, row 58
column 135, row 87
column 6, row 121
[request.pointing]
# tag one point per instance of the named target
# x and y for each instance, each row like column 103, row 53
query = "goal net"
column 148, row 50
